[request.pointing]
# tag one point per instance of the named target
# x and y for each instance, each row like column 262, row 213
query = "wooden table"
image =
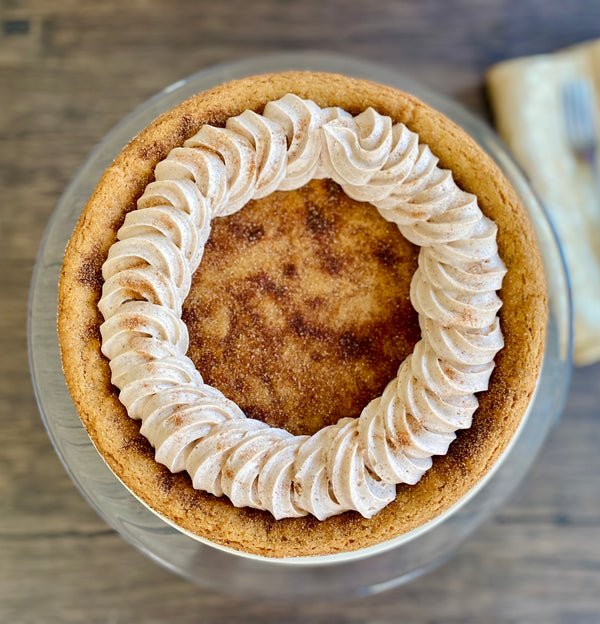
column 68, row 72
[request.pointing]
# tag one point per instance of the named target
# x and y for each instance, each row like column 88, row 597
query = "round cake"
column 293, row 303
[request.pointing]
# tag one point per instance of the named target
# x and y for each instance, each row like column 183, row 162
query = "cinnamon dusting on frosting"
column 349, row 465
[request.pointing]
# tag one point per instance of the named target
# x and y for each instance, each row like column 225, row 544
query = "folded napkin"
column 527, row 99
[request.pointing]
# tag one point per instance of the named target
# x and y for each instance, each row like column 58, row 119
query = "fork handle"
column 590, row 157
column 593, row 164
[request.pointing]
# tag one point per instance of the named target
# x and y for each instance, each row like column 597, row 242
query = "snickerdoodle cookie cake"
column 302, row 314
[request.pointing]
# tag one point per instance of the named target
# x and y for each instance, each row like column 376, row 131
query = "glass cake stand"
column 361, row 573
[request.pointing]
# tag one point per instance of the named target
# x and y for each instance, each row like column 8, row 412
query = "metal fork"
column 580, row 122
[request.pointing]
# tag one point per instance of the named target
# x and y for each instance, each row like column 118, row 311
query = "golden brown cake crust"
column 523, row 318
column 300, row 311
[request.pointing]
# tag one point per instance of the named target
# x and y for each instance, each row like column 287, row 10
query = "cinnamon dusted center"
column 300, row 310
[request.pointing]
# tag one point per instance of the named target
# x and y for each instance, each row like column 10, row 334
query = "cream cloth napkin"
column 527, row 99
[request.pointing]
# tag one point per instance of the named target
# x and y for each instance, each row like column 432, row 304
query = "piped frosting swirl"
column 356, row 463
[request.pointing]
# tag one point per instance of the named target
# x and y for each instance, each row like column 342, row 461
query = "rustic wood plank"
column 68, row 72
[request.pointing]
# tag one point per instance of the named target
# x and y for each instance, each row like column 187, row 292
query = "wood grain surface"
column 68, row 72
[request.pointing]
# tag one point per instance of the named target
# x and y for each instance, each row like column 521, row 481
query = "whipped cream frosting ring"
column 356, row 463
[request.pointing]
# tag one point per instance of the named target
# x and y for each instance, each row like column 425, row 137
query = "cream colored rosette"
column 356, row 463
